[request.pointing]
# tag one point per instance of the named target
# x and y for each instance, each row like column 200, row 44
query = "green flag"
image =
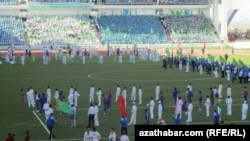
column 64, row 107
column 220, row 107
column 211, row 57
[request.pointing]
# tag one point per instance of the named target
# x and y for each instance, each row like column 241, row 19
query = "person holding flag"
column 122, row 107
column 216, row 117
column 177, row 119
column 124, row 122
column 219, row 107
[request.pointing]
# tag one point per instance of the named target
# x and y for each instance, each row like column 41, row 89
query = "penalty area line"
column 38, row 118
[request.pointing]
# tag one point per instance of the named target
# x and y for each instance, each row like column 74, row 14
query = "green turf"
column 17, row 119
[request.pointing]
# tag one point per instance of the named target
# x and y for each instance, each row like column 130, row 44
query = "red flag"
column 176, row 106
column 179, row 44
column 121, row 101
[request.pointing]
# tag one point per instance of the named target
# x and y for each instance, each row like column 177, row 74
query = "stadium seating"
column 11, row 28
column 151, row 2
column 7, row 2
column 190, row 28
column 129, row 29
column 61, row 30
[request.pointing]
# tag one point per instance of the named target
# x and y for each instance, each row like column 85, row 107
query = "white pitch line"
column 38, row 118
column 46, row 129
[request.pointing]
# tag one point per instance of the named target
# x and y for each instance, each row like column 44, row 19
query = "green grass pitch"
column 16, row 118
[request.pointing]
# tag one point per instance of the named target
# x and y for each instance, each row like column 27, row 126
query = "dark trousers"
column 91, row 120
column 124, row 129
column 51, row 133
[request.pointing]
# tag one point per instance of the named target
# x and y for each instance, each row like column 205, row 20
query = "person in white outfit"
column 180, row 65
column 46, row 110
column 133, row 114
column 151, row 107
column 30, row 98
column 229, row 91
column 216, row 74
column 187, row 66
column 207, row 104
column 190, row 87
column 220, row 87
column 120, row 59
column 48, row 94
column 160, row 110
column 189, row 112
column 31, row 91
column 140, row 94
column 133, row 93
column 124, row 136
column 244, row 110
column 99, row 95
column 229, row 102
column 22, row 59
column 76, row 95
column 100, row 61
column 96, row 119
column 71, row 98
column 71, row 89
column 112, row 135
column 91, row 94
column 201, row 69
column 96, row 136
column 124, row 94
column 180, row 106
column 228, row 72
column 117, row 93
column 87, row 135
column 83, row 59
column 157, row 91
column 64, row 59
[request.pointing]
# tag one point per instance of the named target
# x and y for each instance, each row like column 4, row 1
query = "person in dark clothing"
column 50, row 124
column 124, row 124
column 164, row 65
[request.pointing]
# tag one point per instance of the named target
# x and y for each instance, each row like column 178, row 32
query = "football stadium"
column 83, row 70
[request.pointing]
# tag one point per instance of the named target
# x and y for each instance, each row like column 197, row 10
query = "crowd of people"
column 60, row 30
column 43, row 101
column 182, row 105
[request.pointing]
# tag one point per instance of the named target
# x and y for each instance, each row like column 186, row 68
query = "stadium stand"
column 159, row 2
column 189, row 28
column 7, row 2
column 11, row 27
column 129, row 29
column 61, row 30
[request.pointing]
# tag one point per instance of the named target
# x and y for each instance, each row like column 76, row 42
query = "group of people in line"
column 43, row 104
